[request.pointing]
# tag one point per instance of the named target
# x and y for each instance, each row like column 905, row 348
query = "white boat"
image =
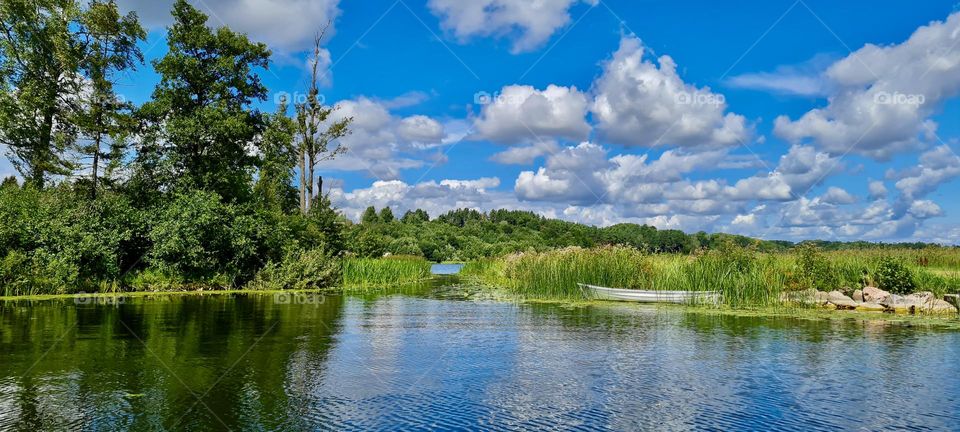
column 649, row 296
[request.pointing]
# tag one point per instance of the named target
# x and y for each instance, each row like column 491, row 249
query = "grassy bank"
column 745, row 278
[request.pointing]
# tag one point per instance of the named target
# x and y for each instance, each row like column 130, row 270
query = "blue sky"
column 778, row 119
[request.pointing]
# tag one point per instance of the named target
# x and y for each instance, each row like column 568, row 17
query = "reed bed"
column 744, row 277
column 555, row 274
column 389, row 271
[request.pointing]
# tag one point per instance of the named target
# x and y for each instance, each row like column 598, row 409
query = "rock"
column 808, row 296
column 874, row 295
column 838, row 296
column 938, row 306
column 858, row 296
column 953, row 299
column 871, row 307
column 840, row 300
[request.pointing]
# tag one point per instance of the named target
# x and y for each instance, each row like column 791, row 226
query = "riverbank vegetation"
column 196, row 188
column 744, row 276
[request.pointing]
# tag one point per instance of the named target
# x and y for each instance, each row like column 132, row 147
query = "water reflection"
column 411, row 360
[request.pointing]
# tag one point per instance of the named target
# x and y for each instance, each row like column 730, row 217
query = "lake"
column 430, row 359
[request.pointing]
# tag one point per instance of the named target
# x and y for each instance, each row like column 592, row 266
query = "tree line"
column 196, row 187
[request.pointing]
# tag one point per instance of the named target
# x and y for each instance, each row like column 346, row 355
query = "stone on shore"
column 874, row 295
column 840, row 300
column 858, row 296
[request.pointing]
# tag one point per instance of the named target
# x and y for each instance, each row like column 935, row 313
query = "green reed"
column 384, row 271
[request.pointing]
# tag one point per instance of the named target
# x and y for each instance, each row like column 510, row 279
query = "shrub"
column 192, row 236
column 311, row 269
column 893, row 275
column 814, row 270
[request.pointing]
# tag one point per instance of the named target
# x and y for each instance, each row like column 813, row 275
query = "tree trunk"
column 95, row 166
column 303, row 181
column 42, row 155
column 310, row 195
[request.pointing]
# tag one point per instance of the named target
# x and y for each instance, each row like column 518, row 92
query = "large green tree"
column 203, row 122
column 278, row 158
column 106, row 118
column 41, row 50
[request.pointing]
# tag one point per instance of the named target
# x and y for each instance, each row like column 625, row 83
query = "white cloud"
column 837, row 196
column 937, row 166
column 639, row 103
column 525, row 155
column 383, row 143
column 528, row 23
column 523, row 113
column 884, row 96
column 877, row 190
column 798, row 171
column 805, row 79
column 286, row 25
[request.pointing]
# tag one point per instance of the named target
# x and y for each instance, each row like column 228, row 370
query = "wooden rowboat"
column 648, row 296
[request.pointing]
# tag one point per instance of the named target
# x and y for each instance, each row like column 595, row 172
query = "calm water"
column 428, row 360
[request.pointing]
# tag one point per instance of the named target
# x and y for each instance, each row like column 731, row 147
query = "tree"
column 277, row 161
column 40, row 56
column 386, row 215
column 202, row 122
column 370, row 216
column 112, row 49
column 415, row 217
column 317, row 131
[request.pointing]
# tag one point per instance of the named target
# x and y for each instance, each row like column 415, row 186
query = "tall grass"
column 367, row 272
column 555, row 274
column 744, row 277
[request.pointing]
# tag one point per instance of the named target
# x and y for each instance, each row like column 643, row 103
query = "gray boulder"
column 874, row 295
column 858, row 296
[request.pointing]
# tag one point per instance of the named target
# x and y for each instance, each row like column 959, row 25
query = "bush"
column 311, row 269
column 192, row 236
column 893, row 275
column 814, row 270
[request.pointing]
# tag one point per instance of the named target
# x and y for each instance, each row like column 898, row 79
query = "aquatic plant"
column 391, row 270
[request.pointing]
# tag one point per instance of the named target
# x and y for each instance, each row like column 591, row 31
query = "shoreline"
column 951, row 321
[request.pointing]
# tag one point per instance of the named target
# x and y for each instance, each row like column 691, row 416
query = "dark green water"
column 429, row 360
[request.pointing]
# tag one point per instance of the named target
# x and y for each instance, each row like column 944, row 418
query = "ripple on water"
column 402, row 363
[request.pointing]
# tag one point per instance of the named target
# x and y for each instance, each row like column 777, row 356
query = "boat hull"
column 648, row 296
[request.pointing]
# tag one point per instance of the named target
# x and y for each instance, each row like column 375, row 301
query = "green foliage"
column 893, row 275
column 381, row 272
column 311, row 269
column 200, row 108
column 40, row 57
column 386, row 215
column 370, row 216
column 555, row 274
column 814, row 270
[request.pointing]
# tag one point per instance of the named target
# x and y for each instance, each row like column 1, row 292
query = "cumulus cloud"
column 528, row 23
column 837, row 196
column 383, row 143
column 884, row 95
column 876, row 190
column 799, row 170
column 286, row 25
column 937, row 166
column 523, row 113
column 640, row 103
column 525, row 155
